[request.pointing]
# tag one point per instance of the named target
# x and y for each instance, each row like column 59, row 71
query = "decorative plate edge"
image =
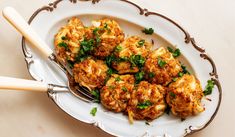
column 142, row 11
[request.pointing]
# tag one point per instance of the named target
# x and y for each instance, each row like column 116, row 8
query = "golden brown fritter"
column 160, row 67
column 116, row 93
column 147, row 102
column 108, row 34
column 67, row 40
column 184, row 96
column 133, row 45
column 90, row 73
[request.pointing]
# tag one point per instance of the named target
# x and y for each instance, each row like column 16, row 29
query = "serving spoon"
column 17, row 21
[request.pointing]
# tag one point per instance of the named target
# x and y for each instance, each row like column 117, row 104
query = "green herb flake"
column 151, row 75
column 174, row 79
column 110, row 59
column 87, row 45
column 137, row 60
column 180, row 74
column 70, row 63
column 95, row 31
column 139, row 76
column 111, row 87
column 96, row 94
column 124, row 89
column 63, row 44
column 118, row 79
column 98, row 40
column 148, row 31
column 170, row 49
column 105, row 26
column 141, row 43
column 209, row 87
column 185, row 71
column 144, row 105
column 111, row 71
column 172, row 94
column 118, row 48
column 64, row 38
column 93, row 111
column 175, row 53
column 147, row 123
column 161, row 62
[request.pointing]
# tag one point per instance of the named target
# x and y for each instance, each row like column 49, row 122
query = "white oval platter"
column 132, row 18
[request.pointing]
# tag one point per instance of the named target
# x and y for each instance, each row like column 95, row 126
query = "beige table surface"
column 25, row 114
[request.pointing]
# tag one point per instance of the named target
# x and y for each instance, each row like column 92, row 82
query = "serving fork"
column 17, row 21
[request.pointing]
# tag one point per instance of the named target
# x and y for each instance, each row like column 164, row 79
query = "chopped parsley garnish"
column 111, row 71
column 70, row 63
column 151, row 75
column 111, row 87
column 63, row 44
column 209, row 87
column 144, row 105
column 118, row 48
column 172, row 94
column 93, row 111
column 124, row 89
column 170, row 49
column 96, row 94
column 161, row 63
column 118, row 79
column 148, row 31
column 174, row 79
column 185, row 71
column 180, row 74
column 139, row 76
column 141, row 43
column 175, row 53
column 95, row 31
column 97, row 35
column 137, row 60
column 64, row 38
column 110, row 59
column 147, row 123
column 87, row 45
column 98, row 40
column 105, row 26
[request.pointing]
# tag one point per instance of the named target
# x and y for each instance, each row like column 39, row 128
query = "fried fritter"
column 116, row 93
column 108, row 35
column 133, row 49
column 67, row 40
column 147, row 102
column 160, row 67
column 90, row 73
column 184, row 96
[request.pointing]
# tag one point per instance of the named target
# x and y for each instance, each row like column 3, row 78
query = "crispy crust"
column 162, row 75
column 146, row 92
column 110, row 34
column 74, row 32
column 184, row 96
column 116, row 93
column 90, row 73
column 130, row 47
column 119, row 93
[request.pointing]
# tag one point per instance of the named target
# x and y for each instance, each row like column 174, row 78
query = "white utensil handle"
column 22, row 84
column 13, row 17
